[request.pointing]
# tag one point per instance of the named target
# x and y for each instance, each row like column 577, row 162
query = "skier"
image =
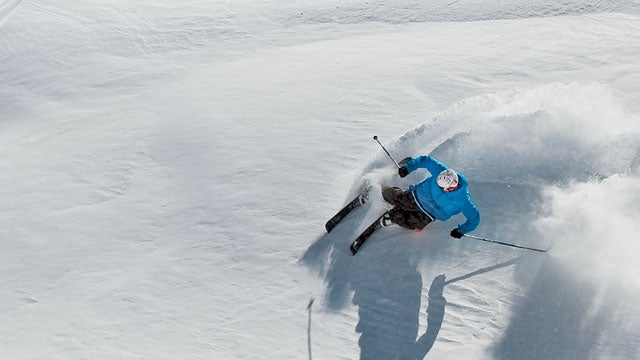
column 443, row 194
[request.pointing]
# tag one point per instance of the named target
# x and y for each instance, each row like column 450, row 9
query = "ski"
column 356, row 202
column 359, row 241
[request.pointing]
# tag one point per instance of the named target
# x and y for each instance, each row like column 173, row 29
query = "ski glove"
column 456, row 233
column 402, row 171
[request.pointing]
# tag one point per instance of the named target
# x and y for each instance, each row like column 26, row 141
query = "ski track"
column 7, row 8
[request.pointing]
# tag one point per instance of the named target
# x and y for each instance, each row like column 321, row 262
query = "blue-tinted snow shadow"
column 382, row 280
column 564, row 316
column 437, row 305
column 387, row 288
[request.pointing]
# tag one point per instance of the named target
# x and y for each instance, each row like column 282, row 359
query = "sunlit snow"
column 167, row 167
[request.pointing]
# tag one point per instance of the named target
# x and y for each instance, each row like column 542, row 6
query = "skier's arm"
column 473, row 218
column 425, row 162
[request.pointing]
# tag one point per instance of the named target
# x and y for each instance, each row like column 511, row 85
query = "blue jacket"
column 438, row 203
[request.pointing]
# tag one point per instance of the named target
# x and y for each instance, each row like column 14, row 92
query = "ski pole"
column 502, row 243
column 375, row 137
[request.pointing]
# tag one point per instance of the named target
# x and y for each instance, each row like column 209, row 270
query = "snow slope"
column 167, row 168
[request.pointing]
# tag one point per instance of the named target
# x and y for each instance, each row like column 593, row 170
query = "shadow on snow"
column 564, row 316
column 387, row 288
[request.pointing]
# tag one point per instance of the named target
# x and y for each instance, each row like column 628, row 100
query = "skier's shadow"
column 385, row 284
column 389, row 312
column 388, row 300
column 329, row 256
column 387, row 288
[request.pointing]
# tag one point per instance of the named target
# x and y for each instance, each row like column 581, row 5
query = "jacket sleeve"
column 470, row 211
column 425, row 162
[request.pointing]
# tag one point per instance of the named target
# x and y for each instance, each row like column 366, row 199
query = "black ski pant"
column 405, row 212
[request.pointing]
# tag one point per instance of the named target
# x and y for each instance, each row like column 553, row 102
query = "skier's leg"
column 406, row 212
column 393, row 195
column 412, row 220
column 401, row 198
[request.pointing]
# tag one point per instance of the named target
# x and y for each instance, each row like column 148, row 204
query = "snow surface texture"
column 167, row 168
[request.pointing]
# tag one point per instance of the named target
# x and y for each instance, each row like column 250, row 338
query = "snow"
column 167, row 169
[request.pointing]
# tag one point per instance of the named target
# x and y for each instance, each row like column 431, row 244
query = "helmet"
column 448, row 178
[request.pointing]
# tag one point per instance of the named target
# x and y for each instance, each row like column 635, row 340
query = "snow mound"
column 558, row 162
column 404, row 11
column 520, row 145
column 544, row 173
